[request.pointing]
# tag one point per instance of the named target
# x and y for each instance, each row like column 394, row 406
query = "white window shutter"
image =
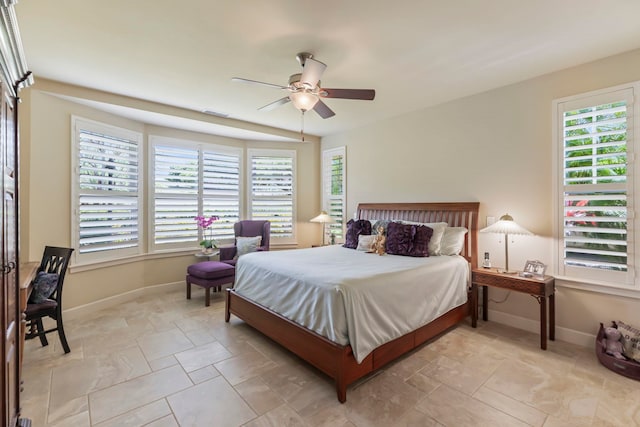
column 334, row 171
column 596, row 188
column 272, row 193
column 191, row 180
column 107, row 222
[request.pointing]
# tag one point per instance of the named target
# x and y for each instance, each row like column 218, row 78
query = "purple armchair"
column 247, row 228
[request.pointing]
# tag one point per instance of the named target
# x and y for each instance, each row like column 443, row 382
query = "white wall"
column 45, row 196
column 494, row 147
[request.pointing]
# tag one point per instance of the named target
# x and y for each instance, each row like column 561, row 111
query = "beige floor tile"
column 465, row 377
column 454, row 408
column 508, row 405
column 163, row 362
column 201, row 356
column 416, row 418
column 282, row 416
column 78, row 420
column 163, row 344
column 224, row 408
column 203, row 374
column 137, row 392
column 381, row 401
column 141, row 416
column 258, row 395
column 168, row 421
column 247, row 365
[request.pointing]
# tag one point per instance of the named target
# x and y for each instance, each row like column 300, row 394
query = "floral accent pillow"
column 375, row 224
column 408, row 239
column 43, row 286
column 365, row 242
column 245, row 245
column 354, row 229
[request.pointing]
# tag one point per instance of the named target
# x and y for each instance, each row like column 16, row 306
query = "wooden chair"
column 54, row 260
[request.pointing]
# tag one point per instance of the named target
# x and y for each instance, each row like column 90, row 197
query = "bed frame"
column 337, row 361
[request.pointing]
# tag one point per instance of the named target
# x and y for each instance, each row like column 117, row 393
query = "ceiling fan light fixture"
column 303, row 100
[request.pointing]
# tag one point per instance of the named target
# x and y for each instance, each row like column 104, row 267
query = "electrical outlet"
column 491, row 220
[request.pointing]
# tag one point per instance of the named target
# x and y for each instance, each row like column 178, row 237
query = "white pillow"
column 365, row 242
column 452, row 240
column 436, row 237
column 244, row 245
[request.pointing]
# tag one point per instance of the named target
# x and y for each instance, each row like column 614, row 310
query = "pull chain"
column 302, row 126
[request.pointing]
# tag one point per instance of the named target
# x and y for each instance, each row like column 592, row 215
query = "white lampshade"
column 303, row 100
column 323, row 218
column 506, row 225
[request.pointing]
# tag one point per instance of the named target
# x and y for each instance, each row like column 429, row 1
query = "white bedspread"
column 353, row 297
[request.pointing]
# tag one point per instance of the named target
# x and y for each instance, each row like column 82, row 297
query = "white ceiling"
column 414, row 53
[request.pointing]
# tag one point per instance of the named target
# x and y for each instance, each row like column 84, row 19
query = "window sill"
column 597, row 287
column 95, row 265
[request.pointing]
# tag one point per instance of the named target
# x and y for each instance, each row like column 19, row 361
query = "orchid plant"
column 207, row 233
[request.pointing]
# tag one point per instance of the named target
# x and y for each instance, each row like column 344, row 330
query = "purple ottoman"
column 209, row 274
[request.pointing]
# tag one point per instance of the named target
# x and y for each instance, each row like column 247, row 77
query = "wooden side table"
column 539, row 288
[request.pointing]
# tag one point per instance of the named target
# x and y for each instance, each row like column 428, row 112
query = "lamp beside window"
column 325, row 219
column 506, row 225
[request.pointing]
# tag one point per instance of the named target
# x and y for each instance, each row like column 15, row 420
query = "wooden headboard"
column 456, row 214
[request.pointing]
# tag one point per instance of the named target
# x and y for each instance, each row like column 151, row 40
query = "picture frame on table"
column 535, row 268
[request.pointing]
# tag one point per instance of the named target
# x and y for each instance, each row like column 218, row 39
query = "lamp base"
column 503, row 271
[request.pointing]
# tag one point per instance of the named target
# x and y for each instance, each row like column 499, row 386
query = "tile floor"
column 164, row 361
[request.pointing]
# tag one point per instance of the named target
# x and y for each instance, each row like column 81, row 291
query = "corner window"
column 334, row 171
column 595, row 145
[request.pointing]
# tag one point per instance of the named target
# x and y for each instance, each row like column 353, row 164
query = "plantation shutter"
column 190, row 180
column 272, row 190
column 107, row 194
column 176, row 180
column 333, row 188
column 596, row 188
column 221, row 191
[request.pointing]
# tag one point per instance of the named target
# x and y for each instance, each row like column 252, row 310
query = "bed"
column 333, row 353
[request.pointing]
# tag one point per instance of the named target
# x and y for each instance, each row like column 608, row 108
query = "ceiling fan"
column 305, row 91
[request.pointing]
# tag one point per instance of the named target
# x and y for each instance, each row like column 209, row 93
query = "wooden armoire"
column 13, row 76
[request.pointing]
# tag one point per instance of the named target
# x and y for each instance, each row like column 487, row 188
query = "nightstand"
column 539, row 288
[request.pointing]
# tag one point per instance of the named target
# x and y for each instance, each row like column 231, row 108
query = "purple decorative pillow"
column 421, row 240
column 354, row 229
column 409, row 240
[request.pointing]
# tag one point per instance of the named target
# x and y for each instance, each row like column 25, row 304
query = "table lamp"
column 506, row 225
column 325, row 219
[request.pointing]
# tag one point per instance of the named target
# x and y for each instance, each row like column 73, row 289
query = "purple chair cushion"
column 210, row 270
column 408, row 239
column 354, row 229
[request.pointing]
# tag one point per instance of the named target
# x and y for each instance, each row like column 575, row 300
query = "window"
column 333, row 188
column 106, row 193
column 191, row 179
column 272, row 193
column 596, row 172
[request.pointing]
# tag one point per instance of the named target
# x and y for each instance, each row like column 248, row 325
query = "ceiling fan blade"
column 275, row 104
column 323, row 110
column 311, row 72
column 241, row 80
column 365, row 94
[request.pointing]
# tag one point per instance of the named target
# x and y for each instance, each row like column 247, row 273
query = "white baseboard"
column 563, row 334
column 90, row 308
